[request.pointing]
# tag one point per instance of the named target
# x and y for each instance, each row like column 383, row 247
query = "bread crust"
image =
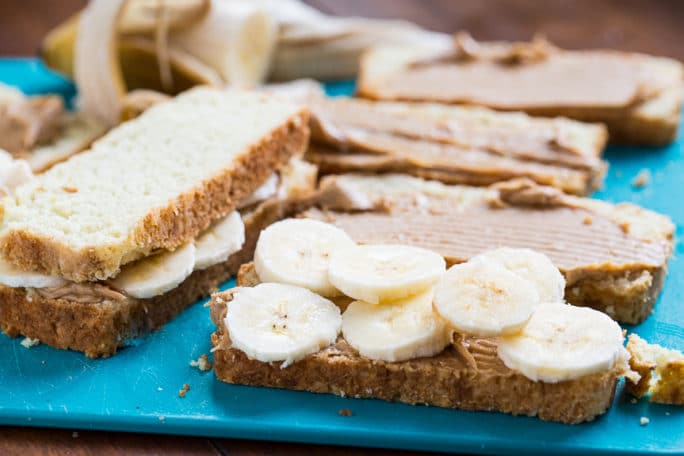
column 99, row 329
column 168, row 227
column 456, row 378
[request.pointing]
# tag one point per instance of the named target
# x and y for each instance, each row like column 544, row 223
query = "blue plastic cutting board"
column 137, row 390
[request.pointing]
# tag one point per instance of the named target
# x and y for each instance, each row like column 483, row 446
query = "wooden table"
column 636, row 25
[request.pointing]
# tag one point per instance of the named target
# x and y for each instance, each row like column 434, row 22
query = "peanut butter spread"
column 518, row 76
column 81, row 293
column 454, row 144
column 555, row 141
column 461, row 222
column 28, row 122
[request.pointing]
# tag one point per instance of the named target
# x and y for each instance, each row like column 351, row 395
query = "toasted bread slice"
column 466, row 375
column 638, row 97
column 152, row 183
column 614, row 257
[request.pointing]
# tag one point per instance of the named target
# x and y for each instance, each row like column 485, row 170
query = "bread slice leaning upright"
column 149, row 184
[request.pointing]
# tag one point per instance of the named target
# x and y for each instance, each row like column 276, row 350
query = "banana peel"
column 137, row 58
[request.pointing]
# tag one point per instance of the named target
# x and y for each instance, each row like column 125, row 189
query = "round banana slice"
column 402, row 330
column 563, row 342
column 220, row 241
column 298, row 251
column 277, row 322
column 14, row 277
column 485, row 299
column 533, row 266
column 384, row 272
column 155, row 275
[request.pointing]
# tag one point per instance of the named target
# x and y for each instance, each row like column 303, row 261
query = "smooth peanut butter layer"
column 457, row 145
column 614, row 257
column 606, row 86
column 466, row 375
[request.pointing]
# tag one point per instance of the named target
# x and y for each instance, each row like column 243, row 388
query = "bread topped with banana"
column 317, row 312
column 160, row 211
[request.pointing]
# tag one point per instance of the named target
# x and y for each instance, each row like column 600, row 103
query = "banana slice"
column 267, row 190
column 563, row 342
column 277, row 322
column 381, row 273
column 14, row 277
column 530, row 265
column 402, row 330
column 485, row 299
column 298, row 251
column 220, row 241
column 155, row 275
column 298, row 178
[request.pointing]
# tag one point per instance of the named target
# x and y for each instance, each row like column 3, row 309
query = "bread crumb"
column 74, row 435
column 183, row 391
column 70, row 189
column 644, row 421
column 161, row 418
column 159, row 388
column 633, row 400
column 345, row 412
column 587, row 220
column 202, row 363
column 642, row 179
column 28, row 342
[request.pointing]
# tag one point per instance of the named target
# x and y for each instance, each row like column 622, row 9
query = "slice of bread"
column 638, row 97
column 466, row 375
column 152, row 183
column 661, row 372
column 97, row 320
column 78, row 134
column 455, row 144
column 614, row 257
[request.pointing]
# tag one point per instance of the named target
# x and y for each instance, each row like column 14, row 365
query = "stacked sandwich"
column 119, row 239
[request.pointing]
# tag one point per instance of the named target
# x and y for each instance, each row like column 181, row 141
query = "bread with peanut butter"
column 98, row 318
column 454, row 144
column 637, row 96
column 151, row 183
column 614, row 257
column 461, row 371
column 37, row 129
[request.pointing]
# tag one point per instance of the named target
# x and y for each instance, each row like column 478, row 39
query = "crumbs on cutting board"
column 642, row 179
column 183, row 391
column 28, row 342
column 643, row 421
column 202, row 363
column 345, row 412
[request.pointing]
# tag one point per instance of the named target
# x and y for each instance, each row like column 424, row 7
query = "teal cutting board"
column 137, row 390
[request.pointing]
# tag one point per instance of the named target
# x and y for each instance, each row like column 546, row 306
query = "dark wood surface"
column 654, row 26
